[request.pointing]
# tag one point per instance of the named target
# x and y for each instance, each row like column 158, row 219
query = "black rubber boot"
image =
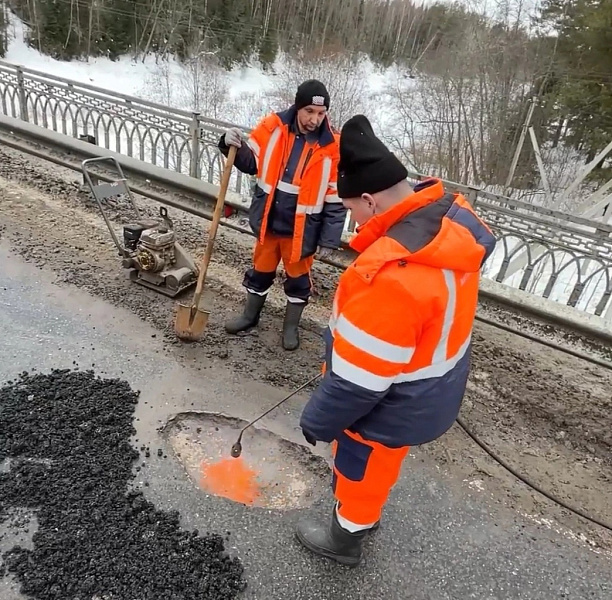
column 291, row 334
column 250, row 316
column 332, row 541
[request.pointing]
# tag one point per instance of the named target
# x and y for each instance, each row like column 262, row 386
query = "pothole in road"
column 272, row 472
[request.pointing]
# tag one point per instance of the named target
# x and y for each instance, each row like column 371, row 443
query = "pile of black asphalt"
column 65, row 436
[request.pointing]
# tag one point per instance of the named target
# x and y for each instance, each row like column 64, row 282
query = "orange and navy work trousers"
column 364, row 474
column 266, row 258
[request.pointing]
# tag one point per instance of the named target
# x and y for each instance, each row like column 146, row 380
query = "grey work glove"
column 233, row 137
column 324, row 252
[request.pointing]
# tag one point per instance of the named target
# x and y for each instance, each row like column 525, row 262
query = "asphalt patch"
column 271, row 472
column 65, row 437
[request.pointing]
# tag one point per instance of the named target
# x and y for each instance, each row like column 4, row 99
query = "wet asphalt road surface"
column 440, row 538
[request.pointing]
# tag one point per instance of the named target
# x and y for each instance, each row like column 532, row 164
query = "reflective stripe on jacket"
column 399, row 339
column 311, row 200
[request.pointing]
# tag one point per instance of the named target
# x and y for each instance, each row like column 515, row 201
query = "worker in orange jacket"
column 399, row 338
column 295, row 210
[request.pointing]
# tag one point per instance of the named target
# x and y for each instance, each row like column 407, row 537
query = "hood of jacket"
column 429, row 227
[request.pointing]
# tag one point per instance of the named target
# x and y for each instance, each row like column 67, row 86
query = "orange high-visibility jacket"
column 312, row 199
column 399, row 339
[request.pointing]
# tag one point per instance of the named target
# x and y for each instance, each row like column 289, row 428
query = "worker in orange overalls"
column 399, row 338
column 295, row 210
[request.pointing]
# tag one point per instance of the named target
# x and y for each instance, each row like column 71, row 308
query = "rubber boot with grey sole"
column 250, row 316
column 291, row 333
column 332, row 541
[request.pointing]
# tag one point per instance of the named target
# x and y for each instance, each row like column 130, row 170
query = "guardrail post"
column 472, row 195
column 90, row 139
column 194, row 130
column 23, row 107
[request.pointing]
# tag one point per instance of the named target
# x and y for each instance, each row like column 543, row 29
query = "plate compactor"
column 149, row 250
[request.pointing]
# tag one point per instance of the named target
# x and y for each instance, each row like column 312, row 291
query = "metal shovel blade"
column 190, row 322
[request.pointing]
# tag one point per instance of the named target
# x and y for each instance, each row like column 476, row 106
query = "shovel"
column 191, row 320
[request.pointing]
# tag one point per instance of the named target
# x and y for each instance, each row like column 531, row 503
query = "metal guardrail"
column 175, row 139
column 537, row 247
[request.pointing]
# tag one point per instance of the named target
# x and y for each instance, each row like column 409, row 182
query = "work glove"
column 312, row 441
column 324, row 252
column 233, row 137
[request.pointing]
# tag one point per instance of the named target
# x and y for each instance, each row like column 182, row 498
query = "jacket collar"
column 288, row 117
column 425, row 192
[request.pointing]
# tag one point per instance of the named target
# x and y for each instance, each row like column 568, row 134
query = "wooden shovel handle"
column 212, row 234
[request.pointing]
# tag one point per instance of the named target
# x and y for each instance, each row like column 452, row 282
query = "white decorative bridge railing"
column 547, row 253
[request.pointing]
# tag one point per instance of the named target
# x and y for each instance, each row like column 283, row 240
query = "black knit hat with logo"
column 311, row 92
column 366, row 165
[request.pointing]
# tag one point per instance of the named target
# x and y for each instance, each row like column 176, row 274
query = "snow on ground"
column 123, row 76
column 243, row 94
column 130, row 76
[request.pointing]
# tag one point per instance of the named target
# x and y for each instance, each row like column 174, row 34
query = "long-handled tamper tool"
column 237, row 447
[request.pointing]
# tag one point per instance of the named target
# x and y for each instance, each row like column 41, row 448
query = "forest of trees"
column 387, row 30
column 479, row 74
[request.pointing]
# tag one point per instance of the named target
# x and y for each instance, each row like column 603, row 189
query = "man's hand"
column 233, row 137
column 324, row 252
column 312, row 441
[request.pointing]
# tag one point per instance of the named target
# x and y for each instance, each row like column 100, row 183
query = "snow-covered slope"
column 141, row 77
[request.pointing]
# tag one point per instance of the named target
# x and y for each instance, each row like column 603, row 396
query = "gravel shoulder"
column 546, row 413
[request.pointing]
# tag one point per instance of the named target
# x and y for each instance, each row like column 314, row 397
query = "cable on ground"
column 527, row 481
column 529, row 336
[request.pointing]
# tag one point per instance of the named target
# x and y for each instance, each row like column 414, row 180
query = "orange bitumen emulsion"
column 230, row 478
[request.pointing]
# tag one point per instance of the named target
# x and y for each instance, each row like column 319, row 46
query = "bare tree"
column 199, row 84
column 247, row 108
column 205, row 87
column 345, row 76
column 457, row 122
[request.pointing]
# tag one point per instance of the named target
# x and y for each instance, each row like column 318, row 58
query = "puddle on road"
column 271, row 472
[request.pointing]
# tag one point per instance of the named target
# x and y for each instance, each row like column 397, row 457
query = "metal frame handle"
column 86, row 173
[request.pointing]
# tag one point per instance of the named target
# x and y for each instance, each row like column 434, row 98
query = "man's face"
column 362, row 208
column 310, row 117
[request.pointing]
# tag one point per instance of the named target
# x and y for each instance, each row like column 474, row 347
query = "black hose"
column 527, row 481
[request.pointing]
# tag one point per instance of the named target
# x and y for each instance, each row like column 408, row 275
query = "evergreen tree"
column 267, row 51
column 583, row 71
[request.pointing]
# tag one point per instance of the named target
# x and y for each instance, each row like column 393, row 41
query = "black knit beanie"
column 366, row 165
column 311, row 92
